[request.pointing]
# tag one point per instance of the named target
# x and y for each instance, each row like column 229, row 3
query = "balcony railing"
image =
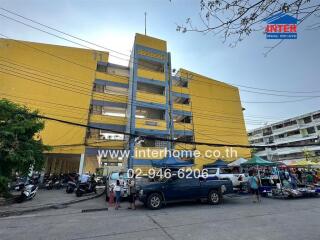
column 149, row 74
column 151, row 124
column 150, row 97
column 179, row 89
column 182, row 107
column 109, row 97
column 113, row 144
column 183, row 126
column 96, row 118
column 112, row 77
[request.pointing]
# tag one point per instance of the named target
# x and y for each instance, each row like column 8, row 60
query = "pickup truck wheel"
column 154, row 201
column 214, row 197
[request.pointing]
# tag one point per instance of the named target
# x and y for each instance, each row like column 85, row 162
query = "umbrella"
column 217, row 164
column 237, row 162
column 257, row 161
column 171, row 162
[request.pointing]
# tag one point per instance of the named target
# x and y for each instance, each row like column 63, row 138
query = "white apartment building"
column 303, row 129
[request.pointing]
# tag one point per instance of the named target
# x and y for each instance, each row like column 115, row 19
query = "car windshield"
column 115, row 176
column 212, row 171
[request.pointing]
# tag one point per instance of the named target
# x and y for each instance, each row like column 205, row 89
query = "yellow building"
column 142, row 99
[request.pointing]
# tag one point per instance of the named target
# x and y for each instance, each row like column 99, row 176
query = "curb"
column 49, row 206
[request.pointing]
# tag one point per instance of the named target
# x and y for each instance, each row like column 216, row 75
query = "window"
column 307, row 120
column 98, row 87
column 113, row 111
column 292, row 133
column 225, row 171
column 96, row 109
column 112, row 90
column 316, row 116
column 102, row 68
column 111, row 136
column 311, row 130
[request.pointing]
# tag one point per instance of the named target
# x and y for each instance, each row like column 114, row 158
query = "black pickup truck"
column 155, row 195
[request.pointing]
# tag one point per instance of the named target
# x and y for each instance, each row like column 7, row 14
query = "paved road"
column 235, row 219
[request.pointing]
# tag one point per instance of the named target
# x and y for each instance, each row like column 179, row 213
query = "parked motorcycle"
column 88, row 187
column 72, row 185
column 49, row 184
column 28, row 192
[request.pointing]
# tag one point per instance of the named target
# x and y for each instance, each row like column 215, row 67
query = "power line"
column 108, row 49
column 120, row 53
column 218, row 99
column 164, row 139
column 89, row 94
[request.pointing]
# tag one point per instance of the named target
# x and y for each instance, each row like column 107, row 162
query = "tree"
column 19, row 149
column 235, row 20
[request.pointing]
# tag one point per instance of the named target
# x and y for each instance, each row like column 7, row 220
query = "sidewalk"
column 46, row 199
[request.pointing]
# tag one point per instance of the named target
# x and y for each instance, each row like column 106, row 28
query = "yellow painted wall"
column 22, row 85
column 216, row 121
column 150, row 42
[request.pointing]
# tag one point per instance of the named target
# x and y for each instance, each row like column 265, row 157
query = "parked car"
column 155, row 195
column 227, row 173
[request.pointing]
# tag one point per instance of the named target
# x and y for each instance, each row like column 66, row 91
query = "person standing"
column 254, row 186
column 117, row 190
column 132, row 192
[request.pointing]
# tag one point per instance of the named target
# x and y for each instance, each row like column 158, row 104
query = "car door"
column 182, row 189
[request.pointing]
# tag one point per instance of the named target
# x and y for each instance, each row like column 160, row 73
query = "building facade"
column 145, row 98
column 303, row 129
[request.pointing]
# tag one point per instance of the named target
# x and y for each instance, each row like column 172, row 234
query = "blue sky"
column 294, row 66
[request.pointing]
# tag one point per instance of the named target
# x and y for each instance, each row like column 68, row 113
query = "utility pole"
column 145, row 23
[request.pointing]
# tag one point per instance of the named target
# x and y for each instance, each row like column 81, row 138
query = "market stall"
column 267, row 173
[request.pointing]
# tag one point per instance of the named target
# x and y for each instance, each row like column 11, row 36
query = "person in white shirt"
column 117, row 190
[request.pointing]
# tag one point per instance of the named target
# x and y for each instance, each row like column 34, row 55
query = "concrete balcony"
column 149, row 74
column 109, row 97
column 178, row 89
column 183, row 126
column 152, row 124
column 183, row 146
column 149, row 153
column 96, row 118
column 150, row 97
column 182, row 107
column 112, row 77
column 110, row 144
column 285, row 129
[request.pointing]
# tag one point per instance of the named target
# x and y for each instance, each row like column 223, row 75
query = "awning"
column 258, row 161
column 171, row 162
column 217, row 164
column 237, row 162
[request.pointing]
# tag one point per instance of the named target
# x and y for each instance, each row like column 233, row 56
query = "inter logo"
column 281, row 26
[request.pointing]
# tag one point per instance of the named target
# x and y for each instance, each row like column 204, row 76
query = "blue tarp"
column 217, row 164
column 171, row 162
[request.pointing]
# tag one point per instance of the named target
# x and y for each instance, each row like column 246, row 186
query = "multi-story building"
column 144, row 98
column 303, row 129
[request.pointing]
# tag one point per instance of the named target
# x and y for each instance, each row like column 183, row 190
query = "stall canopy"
column 302, row 163
column 237, row 162
column 257, row 161
column 217, row 164
column 171, row 162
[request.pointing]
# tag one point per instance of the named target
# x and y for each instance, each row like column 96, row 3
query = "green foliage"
column 19, row 149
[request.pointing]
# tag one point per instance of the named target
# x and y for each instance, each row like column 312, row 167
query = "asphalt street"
column 236, row 218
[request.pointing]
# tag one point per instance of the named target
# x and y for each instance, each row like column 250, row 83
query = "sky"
column 293, row 66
